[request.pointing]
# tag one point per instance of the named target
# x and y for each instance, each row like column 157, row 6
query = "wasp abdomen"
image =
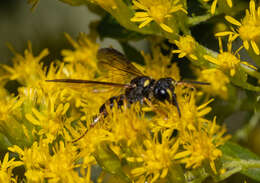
column 141, row 87
column 119, row 100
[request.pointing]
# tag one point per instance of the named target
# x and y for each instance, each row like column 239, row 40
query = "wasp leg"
column 119, row 100
column 175, row 102
column 95, row 121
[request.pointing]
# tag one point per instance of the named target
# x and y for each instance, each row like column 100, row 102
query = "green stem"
column 250, row 71
column 230, row 172
column 192, row 21
column 244, row 132
column 197, row 175
column 232, row 167
column 249, row 163
column 237, row 165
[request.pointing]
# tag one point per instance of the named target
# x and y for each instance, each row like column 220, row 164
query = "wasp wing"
column 116, row 65
column 118, row 69
column 90, row 82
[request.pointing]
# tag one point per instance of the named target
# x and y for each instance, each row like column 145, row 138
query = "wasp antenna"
column 193, row 82
column 67, row 80
column 76, row 140
column 57, row 80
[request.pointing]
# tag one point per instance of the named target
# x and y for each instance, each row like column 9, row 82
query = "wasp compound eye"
column 161, row 94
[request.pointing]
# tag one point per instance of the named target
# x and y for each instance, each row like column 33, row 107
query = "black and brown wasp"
column 140, row 89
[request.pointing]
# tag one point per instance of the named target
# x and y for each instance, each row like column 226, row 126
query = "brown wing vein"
column 109, row 57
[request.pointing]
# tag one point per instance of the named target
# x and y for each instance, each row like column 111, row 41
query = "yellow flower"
column 248, row 29
column 158, row 11
column 218, row 82
column 123, row 127
column 84, row 53
column 156, row 65
column 59, row 167
column 144, row 142
column 6, row 168
column 52, row 118
column 88, row 144
column 193, row 116
column 128, row 125
column 226, row 60
column 203, row 145
column 214, row 4
column 34, row 175
column 155, row 156
column 8, row 106
column 187, row 46
column 56, row 164
column 27, row 69
column 3, row 93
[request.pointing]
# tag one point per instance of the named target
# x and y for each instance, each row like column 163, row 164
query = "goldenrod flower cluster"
column 247, row 29
column 127, row 143
column 157, row 11
column 55, row 132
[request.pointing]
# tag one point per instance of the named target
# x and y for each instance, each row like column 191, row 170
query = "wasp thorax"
column 142, row 88
column 164, row 89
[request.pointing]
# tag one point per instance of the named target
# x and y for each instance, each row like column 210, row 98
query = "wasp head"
column 164, row 91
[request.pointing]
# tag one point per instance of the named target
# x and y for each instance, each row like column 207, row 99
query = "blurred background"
column 44, row 26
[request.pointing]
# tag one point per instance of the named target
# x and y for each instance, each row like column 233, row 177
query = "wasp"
column 140, row 89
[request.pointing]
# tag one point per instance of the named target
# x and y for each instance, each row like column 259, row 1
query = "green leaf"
column 109, row 27
column 109, row 161
column 237, row 152
column 241, row 160
column 176, row 174
column 253, row 173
